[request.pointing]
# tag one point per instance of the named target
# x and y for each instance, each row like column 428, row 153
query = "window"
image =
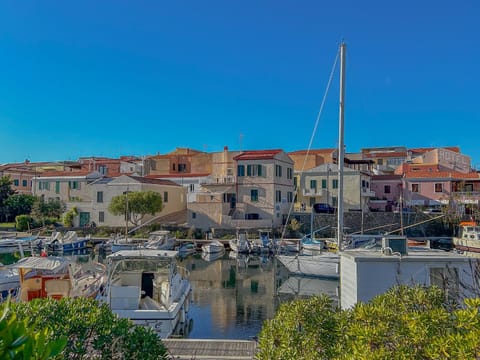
column 254, row 195
column 241, row 170
column 194, row 215
column 57, row 187
column 99, row 196
column 324, row 183
column 191, row 188
column 335, row 183
column 182, row 167
column 363, row 183
column 101, row 216
column 468, row 187
column 438, row 187
column 24, row 183
column 334, row 201
column 295, row 182
column 165, row 196
column 415, row 188
column 289, row 173
column 102, row 169
column 289, row 196
column 278, row 196
column 74, row 185
column 16, row 182
column 43, row 185
column 278, row 171
column 313, row 184
column 255, row 170
column 386, row 189
column 173, row 167
column 380, row 161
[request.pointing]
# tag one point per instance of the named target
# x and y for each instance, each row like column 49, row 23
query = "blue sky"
column 111, row 78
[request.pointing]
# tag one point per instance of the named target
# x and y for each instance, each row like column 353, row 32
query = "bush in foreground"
column 92, row 330
column 404, row 323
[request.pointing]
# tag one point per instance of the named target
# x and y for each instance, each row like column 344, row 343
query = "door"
column 84, row 218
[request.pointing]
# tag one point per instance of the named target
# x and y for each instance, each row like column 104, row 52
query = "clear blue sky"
column 111, row 78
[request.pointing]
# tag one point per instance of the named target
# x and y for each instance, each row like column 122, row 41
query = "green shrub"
column 92, row 330
column 23, row 222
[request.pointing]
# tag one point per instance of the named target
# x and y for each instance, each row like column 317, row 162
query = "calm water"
column 232, row 296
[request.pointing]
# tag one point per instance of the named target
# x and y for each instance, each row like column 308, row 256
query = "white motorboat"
column 161, row 240
column 147, row 287
column 213, row 246
column 324, row 265
column 468, row 239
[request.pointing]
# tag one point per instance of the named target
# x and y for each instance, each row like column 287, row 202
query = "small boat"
column 212, row 256
column 122, row 243
column 161, row 240
column 468, row 237
column 67, row 242
column 213, row 246
column 9, row 281
column 240, row 243
column 312, row 244
column 57, row 277
column 13, row 244
column 325, row 265
column 186, row 249
column 147, row 287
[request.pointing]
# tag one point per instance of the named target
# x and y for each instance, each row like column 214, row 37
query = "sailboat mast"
column 341, row 146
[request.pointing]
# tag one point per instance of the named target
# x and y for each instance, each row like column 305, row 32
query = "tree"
column 404, row 323
column 19, row 204
column 135, row 205
column 5, row 192
column 52, row 208
column 92, row 330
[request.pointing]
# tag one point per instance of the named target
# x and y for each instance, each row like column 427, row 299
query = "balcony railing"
column 225, row 180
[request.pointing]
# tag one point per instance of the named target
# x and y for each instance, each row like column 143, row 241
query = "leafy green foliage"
column 19, row 204
column 18, row 341
column 5, row 192
column 137, row 204
column 69, row 216
column 404, row 323
column 23, row 222
column 52, row 208
column 92, row 330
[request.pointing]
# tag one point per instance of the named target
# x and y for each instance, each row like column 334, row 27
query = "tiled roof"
column 145, row 180
column 257, row 154
column 441, row 175
column 63, row 173
column 178, row 175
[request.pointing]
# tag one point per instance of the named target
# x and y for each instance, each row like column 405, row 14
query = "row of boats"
column 144, row 285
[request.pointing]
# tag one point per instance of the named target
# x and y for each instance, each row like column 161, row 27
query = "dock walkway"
column 210, row 349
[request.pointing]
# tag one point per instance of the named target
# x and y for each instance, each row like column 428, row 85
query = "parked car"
column 324, row 208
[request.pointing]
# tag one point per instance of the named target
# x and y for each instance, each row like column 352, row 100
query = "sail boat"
column 326, row 265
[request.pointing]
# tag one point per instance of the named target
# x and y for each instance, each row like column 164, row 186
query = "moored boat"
column 147, row 287
column 58, row 277
column 468, row 237
column 213, row 246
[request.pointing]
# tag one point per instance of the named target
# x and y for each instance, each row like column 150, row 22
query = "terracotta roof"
column 63, row 173
column 441, row 174
column 257, row 154
column 145, row 180
column 179, row 175
column 424, row 150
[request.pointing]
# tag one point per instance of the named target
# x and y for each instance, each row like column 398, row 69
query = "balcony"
column 224, row 180
column 367, row 192
column 314, row 192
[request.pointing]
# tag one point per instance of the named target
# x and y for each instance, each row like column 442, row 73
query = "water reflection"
column 234, row 294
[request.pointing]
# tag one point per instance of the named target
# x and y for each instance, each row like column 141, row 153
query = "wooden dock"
column 210, row 349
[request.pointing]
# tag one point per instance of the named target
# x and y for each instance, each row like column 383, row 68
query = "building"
column 320, row 185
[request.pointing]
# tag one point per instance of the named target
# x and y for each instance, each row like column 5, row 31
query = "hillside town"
column 255, row 188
